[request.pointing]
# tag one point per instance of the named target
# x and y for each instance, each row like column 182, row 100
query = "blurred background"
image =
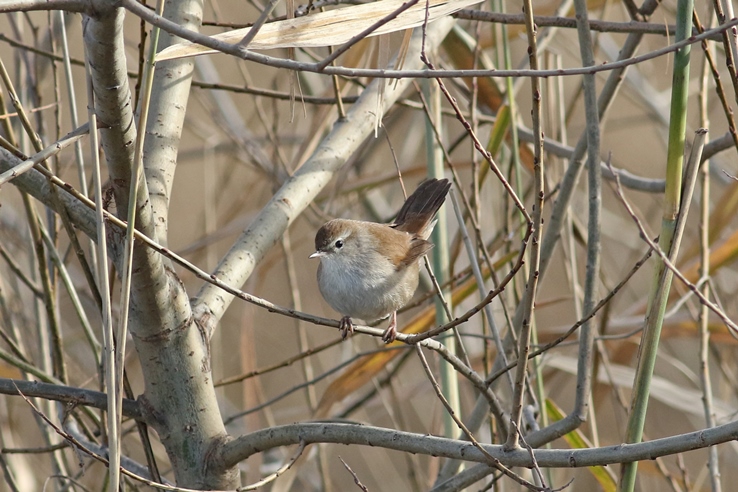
column 244, row 135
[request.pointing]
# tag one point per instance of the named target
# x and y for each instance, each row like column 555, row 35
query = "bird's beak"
column 317, row 254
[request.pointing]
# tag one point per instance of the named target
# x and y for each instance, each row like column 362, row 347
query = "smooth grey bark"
column 179, row 399
column 103, row 37
column 169, row 96
column 153, row 288
column 367, row 435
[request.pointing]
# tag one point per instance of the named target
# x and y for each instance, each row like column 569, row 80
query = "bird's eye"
column 339, row 244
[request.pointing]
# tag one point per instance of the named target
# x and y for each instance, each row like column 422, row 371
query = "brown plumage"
column 369, row 270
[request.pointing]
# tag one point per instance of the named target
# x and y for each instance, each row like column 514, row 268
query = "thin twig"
column 480, row 284
column 474, row 310
column 280, row 471
column 306, row 384
column 713, row 463
column 536, row 221
column 353, row 474
column 268, row 9
column 492, row 461
column 644, row 236
column 603, row 302
column 50, row 151
column 18, row 271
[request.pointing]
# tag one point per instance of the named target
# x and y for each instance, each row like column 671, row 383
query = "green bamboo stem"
column 662, row 276
column 440, row 253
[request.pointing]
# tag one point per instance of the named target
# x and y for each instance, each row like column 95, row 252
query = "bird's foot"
column 346, row 327
column 390, row 333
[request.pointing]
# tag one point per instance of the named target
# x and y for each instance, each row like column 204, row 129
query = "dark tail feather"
column 420, row 207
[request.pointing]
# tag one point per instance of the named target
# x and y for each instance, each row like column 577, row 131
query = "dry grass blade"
column 330, row 28
column 688, row 401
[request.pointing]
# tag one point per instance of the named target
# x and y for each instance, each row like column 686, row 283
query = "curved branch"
column 241, row 448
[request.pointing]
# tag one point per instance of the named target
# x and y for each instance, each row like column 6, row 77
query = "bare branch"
column 67, row 394
column 366, row 435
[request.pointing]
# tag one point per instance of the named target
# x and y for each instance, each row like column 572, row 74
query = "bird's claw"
column 390, row 333
column 346, row 326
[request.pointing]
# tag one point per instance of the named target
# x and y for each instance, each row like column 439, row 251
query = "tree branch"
column 328, row 432
column 67, row 394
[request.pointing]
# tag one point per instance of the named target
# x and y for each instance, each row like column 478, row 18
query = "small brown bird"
column 369, row 270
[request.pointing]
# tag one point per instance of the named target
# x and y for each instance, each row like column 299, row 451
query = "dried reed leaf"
column 330, row 28
column 402, row 54
column 686, row 401
column 383, row 57
column 460, row 48
column 721, row 255
column 722, row 215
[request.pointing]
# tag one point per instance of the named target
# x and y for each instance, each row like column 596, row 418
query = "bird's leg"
column 346, row 327
column 390, row 333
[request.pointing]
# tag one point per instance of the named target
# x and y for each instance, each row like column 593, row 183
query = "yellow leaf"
column 577, row 440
